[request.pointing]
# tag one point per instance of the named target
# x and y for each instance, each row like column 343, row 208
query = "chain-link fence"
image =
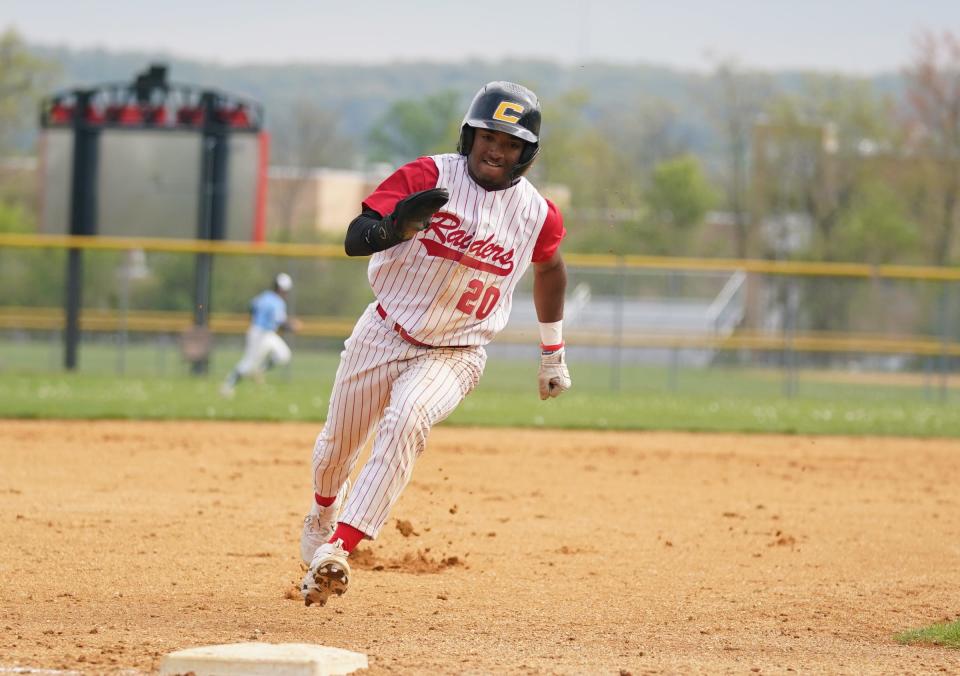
column 642, row 324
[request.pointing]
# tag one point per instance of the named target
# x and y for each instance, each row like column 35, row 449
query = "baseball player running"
column 264, row 347
column 449, row 238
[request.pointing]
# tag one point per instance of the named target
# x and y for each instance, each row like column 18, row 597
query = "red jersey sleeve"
column 551, row 234
column 421, row 174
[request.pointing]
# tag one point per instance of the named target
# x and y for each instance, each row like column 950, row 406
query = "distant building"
column 315, row 200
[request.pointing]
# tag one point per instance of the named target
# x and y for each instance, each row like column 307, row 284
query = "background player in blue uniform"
column 264, row 347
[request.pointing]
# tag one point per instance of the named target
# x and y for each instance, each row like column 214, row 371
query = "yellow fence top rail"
column 601, row 261
column 163, row 321
column 171, row 245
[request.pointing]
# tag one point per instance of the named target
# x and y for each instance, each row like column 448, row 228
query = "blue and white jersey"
column 268, row 311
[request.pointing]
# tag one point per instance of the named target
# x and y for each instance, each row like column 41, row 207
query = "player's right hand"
column 554, row 378
column 412, row 213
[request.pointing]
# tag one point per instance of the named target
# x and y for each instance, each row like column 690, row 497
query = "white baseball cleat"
column 319, row 524
column 226, row 391
column 329, row 573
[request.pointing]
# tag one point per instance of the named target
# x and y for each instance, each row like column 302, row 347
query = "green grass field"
column 946, row 634
column 156, row 385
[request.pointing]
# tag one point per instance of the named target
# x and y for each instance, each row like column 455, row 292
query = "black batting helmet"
column 506, row 107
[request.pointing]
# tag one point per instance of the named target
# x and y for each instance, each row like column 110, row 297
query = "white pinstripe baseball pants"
column 408, row 389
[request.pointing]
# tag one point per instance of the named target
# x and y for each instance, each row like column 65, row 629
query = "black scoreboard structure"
column 151, row 158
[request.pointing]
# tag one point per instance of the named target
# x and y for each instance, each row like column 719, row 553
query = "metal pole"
column 617, row 349
column 211, row 222
column 83, row 218
column 789, row 330
column 54, row 342
column 161, row 355
column 291, row 311
column 673, row 285
column 72, row 300
column 943, row 311
column 124, row 309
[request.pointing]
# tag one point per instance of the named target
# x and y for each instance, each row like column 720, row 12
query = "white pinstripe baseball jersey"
column 453, row 283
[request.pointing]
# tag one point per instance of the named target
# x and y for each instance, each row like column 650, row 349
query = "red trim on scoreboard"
column 260, row 206
column 41, row 180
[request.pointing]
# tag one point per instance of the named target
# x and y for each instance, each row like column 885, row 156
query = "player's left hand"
column 554, row 378
column 294, row 324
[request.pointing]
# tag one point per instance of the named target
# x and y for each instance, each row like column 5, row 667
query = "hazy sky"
column 854, row 36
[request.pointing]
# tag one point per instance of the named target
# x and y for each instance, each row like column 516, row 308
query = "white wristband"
column 551, row 334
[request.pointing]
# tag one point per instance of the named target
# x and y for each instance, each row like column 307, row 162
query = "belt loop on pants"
column 399, row 329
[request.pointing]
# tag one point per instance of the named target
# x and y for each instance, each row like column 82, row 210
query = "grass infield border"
column 493, row 404
column 946, row 634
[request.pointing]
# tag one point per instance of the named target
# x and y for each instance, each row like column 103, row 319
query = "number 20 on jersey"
column 477, row 300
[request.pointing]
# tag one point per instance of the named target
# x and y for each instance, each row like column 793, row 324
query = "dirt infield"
column 510, row 552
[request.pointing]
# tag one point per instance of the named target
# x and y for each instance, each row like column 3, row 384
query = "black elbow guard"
column 382, row 234
column 369, row 233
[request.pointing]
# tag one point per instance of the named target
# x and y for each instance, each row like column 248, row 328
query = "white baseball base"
column 263, row 659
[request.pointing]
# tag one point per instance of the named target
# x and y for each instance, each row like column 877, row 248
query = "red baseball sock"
column 322, row 501
column 351, row 536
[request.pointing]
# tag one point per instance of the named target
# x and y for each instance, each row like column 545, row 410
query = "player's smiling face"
column 492, row 158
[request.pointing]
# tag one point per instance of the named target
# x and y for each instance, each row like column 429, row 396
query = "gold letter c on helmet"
column 504, row 112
